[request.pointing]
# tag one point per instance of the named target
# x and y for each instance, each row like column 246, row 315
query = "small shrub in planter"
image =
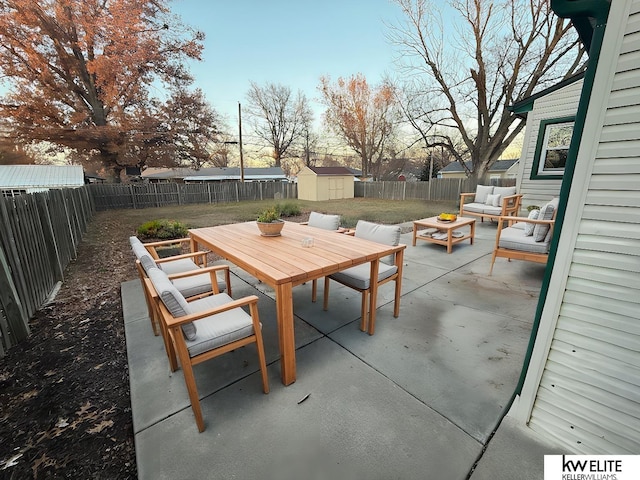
column 533, row 207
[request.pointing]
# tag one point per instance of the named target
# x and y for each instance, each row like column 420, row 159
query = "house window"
column 552, row 148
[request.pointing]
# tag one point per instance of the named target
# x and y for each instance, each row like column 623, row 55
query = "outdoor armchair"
column 204, row 328
column 358, row 277
column 529, row 238
column 190, row 285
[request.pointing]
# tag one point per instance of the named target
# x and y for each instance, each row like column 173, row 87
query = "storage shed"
column 18, row 179
column 325, row 183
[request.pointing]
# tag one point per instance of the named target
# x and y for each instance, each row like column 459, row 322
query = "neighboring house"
column 214, row 174
column 581, row 383
column 500, row 169
column 325, row 183
column 550, row 116
column 19, row 179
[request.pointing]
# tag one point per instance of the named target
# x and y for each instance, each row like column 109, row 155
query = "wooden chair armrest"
column 241, row 302
column 166, row 242
column 463, row 196
column 199, row 271
column 184, row 255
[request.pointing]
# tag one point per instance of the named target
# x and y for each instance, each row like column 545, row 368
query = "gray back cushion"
column 387, row 234
column 546, row 213
column 172, row 299
column 321, row 220
column 142, row 254
column 503, row 192
column 481, row 193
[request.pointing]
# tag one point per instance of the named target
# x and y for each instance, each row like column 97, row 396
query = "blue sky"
column 288, row 42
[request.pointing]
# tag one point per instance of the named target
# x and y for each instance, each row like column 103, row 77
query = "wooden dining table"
column 282, row 262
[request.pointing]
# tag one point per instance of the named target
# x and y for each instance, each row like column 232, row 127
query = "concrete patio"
column 422, row 398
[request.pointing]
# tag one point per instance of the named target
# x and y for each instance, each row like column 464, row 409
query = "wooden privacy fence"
column 438, row 189
column 39, row 236
column 136, row 195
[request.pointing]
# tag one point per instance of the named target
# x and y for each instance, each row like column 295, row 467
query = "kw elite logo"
column 591, row 467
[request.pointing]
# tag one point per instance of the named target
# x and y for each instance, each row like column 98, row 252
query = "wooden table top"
column 283, row 259
column 433, row 222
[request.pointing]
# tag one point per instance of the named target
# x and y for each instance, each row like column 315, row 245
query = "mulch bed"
column 66, row 410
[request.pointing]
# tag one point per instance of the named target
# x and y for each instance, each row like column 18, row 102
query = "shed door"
column 336, row 188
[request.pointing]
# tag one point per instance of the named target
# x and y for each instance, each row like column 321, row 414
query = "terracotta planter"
column 272, row 229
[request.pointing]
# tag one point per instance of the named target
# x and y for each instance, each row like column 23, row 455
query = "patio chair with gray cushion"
column 528, row 238
column 358, row 277
column 490, row 202
column 204, row 328
column 189, row 286
column 326, row 222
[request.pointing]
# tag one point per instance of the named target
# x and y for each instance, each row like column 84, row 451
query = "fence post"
column 16, row 316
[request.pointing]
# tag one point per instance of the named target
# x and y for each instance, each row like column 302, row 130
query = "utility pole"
column 240, row 142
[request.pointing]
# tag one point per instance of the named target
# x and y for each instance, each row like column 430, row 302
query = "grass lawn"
column 351, row 210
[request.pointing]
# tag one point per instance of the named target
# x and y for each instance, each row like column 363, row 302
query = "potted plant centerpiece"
column 270, row 223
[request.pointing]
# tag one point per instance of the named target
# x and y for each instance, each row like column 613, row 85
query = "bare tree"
column 464, row 69
column 277, row 117
column 363, row 117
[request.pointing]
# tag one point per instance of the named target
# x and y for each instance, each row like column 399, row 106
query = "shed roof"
column 41, row 176
column 331, row 171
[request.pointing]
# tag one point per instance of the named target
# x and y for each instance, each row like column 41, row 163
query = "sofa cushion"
column 143, row 255
column 515, row 239
column 481, row 193
column 172, row 299
column 493, row 200
column 540, row 230
column 528, row 229
column 220, row 329
column 474, row 207
column 504, row 192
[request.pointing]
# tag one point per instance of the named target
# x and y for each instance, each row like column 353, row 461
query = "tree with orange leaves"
column 81, row 73
column 362, row 116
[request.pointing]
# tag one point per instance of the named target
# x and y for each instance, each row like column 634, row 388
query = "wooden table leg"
column 415, row 230
column 449, row 240
column 473, row 231
column 284, row 312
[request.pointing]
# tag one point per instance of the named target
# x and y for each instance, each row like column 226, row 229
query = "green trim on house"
column 535, row 167
column 525, row 105
column 570, row 167
column 585, row 15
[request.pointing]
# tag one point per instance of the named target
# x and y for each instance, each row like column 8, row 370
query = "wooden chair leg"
column 364, row 311
column 325, row 303
column 396, row 300
column 260, row 347
column 493, row 260
column 189, row 378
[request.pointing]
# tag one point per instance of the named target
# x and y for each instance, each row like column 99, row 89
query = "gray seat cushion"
column 481, row 208
column 218, row 330
column 324, row 221
column 358, row 276
column 515, row 239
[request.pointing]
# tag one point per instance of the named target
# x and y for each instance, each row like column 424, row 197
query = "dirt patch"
column 66, row 410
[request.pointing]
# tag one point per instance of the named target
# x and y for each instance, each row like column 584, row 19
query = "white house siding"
column 588, row 397
column 561, row 103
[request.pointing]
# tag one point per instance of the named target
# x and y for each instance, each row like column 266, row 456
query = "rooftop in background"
column 33, row 178
column 213, row 174
column 498, row 166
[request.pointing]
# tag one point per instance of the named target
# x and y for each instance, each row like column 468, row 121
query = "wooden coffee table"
column 446, row 227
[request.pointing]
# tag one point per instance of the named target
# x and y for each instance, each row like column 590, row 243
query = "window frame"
column 537, row 168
